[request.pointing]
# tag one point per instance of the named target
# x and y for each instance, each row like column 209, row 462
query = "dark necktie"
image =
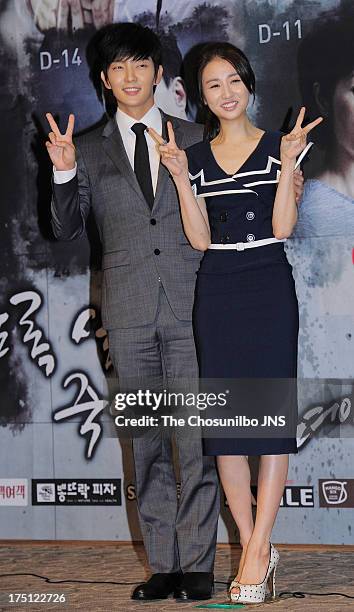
column 142, row 163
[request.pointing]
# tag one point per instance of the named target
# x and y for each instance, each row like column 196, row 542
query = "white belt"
column 241, row 246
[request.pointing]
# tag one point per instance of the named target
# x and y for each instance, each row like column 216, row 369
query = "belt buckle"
column 240, row 246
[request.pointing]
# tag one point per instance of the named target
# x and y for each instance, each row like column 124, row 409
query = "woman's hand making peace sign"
column 172, row 157
column 294, row 143
column 60, row 146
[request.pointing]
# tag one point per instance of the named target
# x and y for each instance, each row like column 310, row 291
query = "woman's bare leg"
column 236, row 479
column 271, row 481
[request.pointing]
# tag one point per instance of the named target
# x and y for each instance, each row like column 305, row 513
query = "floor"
column 310, row 569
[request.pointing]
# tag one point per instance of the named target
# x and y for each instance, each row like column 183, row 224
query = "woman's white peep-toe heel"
column 256, row 593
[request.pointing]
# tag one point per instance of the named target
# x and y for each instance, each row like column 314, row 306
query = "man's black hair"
column 120, row 41
column 171, row 57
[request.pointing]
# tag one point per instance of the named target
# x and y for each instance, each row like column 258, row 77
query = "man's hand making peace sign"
column 60, row 146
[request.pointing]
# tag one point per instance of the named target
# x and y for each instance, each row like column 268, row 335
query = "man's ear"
column 158, row 76
column 105, row 80
column 320, row 100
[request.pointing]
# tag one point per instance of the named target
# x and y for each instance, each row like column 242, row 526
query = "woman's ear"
column 179, row 92
column 105, row 80
column 320, row 100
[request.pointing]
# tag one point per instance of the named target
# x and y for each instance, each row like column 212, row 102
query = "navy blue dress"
column 246, row 311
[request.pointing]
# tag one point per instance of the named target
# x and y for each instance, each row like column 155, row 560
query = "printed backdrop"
column 58, row 451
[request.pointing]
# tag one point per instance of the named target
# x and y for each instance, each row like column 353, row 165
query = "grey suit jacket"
column 139, row 245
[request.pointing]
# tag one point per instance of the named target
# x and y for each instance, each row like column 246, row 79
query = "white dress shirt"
column 151, row 119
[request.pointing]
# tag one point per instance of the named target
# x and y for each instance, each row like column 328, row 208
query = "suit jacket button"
column 153, row 221
column 157, row 251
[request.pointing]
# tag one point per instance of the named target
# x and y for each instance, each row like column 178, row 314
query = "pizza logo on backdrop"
column 45, row 492
column 77, row 492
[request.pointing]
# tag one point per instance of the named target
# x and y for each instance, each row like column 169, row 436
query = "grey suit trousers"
column 179, row 534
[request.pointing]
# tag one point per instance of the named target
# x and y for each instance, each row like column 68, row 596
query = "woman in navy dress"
column 238, row 205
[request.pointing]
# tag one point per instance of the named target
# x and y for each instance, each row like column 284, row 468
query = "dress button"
column 157, row 251
column 250, row 215
column 225, row 238
column 153, row 221
column 250, row 237
column 223, row 216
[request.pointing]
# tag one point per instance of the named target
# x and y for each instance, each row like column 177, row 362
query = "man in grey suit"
column 149, row 272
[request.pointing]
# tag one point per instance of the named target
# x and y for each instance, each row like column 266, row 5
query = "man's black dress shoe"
column 195, row 585
column 159, row 586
